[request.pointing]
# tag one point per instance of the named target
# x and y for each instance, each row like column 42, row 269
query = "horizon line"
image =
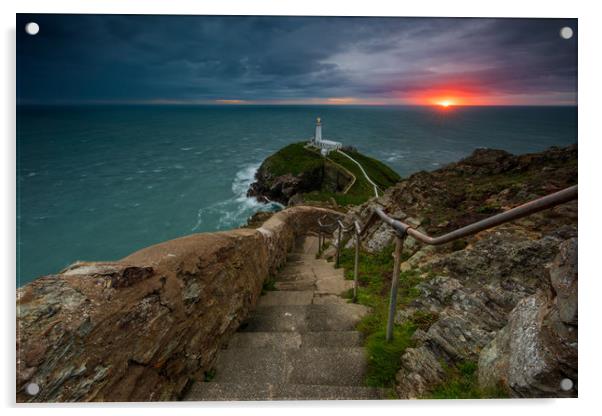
column 252, row 104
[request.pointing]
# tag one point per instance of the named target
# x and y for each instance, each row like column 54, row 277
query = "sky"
column 129, row 59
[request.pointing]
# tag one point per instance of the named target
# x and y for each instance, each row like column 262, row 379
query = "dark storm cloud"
column 88, row 58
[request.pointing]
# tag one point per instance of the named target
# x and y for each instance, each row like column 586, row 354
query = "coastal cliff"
column 145, row 327
column 297, row 175
column 491, row 315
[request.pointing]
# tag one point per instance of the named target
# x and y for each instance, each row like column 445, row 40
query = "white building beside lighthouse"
column 325, row 146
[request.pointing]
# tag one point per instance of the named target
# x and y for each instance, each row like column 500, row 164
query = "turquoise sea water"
column 99, row 182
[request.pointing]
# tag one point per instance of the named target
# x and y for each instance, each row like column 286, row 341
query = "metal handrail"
column 322, row 227
column 325, row 225
column 402, row 230
column 515, row 213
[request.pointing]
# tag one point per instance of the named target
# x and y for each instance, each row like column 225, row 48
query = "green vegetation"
column 362, row 190
column 374, row 276
column 340, row 199
column 461, row 383
column 489, row 209
column 297, row 159
column 294, row 159
column 268, row 285
column 380, row 173
column 468, row 194
column 384, row 358
column 210, row 375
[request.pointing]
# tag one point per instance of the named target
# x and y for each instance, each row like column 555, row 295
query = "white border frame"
column 590, row 95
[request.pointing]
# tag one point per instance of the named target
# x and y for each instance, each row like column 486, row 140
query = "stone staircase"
column 299, row 344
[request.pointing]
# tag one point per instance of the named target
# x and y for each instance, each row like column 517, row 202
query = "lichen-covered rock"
column 472, row 297
column 563, row 277
column 466, row 321
column 142, row 328
column 421, row 371
column 538, row 347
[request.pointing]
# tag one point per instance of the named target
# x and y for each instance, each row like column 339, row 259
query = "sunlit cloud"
column 367, row 61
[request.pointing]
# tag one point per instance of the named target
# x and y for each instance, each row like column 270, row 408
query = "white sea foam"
column 199, row 220
column 234, row 211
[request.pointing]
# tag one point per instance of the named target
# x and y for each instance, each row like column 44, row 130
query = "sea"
column 96, row 183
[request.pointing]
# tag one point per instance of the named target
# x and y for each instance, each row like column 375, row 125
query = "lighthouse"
column 318, row 135
column 325, row 146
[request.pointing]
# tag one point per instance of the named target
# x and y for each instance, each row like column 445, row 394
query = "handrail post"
column 394, row 285
column 339, row 246
column 355, row 265
column 320, row 242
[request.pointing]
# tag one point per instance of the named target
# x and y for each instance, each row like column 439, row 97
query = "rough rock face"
column 485, row 183
column 470, row 287
column 283, row 188
column 537, row 349
column 471, row 301
column 142, row 328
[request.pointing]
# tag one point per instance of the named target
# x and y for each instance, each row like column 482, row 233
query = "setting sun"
column 445, row 103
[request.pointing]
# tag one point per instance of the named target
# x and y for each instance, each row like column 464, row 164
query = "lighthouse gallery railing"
column 402, row 230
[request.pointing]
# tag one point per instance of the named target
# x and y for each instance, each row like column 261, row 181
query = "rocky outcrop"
column 144, row 327
column 485, row 183
column 535, row 354
column 269, row 186
column 480, row 292
column 471, row 295
column 471, row 299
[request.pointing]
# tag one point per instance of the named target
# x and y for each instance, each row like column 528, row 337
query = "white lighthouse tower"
column 318, row 135
column 325, row 146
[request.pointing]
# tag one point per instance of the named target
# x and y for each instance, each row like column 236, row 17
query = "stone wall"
column 142, row 328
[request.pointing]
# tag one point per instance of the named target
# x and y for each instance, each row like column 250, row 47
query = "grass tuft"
column 269, row 284
column 374, row 275
column 461, row 383
column 384, row 358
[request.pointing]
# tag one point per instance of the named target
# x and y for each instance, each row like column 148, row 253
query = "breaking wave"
column 235, row 211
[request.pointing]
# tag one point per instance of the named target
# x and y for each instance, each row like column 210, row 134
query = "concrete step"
column 330, row 285
column 332, row 366
column 296, row 285
column 279, row 340
column 305, row 318
column 327, row 366
column 296, row 267
column 310, row 245
column 213, row 391
column 295, row 260
column 309, row 272
column 335, row 317
column 251, row 365
column 293, row 276
column 288, row 297
column 331, row 339
column 325, row 298
column 292, row 340
column 297, row 257
column 281, row 318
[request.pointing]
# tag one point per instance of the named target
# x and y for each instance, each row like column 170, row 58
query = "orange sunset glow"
column 446, row 103
column 451, row 97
